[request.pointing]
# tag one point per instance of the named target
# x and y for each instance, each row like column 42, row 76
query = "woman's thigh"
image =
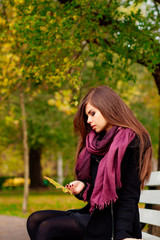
column 60, row 228
column 53, row 225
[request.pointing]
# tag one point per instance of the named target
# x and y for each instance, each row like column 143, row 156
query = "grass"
column 11, row 201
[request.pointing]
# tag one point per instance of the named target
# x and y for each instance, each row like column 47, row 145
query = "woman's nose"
column 89, row 120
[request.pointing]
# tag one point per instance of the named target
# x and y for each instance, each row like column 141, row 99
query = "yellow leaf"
column 16, row 58
column 3, row 90
column 66, row 59
column 58, row 185
column 2, row 21
column 30, row 8
column 27, row 89
column 5, row 82
column 43, row 28
column 90, row 64
column 52, row 20
column 19, row 2
column 51, row 102
column 16, row 122
column 75, row 17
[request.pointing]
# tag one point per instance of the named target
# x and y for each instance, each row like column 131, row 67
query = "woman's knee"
column 33, row 219
column 46, row 231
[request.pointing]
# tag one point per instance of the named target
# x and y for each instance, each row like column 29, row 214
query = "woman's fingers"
column 70, row 187
column 75, row 187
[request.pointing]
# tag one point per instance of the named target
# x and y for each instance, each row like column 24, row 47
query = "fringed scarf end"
column 103, row 205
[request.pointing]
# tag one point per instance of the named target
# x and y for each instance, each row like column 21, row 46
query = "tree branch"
column 156, row 6
column 77, row 55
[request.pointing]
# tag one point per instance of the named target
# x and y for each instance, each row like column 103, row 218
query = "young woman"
column 113, row 161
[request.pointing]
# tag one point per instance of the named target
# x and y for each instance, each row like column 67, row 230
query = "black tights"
column 53, row 225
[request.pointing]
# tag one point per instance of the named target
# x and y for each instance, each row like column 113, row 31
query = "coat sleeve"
column 89, row 188
column 80, row 195
column 128, row 195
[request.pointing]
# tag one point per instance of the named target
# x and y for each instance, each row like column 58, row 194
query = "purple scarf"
column 113, row 146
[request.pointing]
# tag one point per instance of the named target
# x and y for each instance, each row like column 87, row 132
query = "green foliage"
column 38, row 200
column 57, row 51
column 50, row 42
column 143, row 99
column 49, row 128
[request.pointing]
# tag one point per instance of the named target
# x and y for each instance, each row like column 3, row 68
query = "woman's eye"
column 92, row 113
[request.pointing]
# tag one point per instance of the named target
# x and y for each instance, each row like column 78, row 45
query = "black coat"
column 124, row 221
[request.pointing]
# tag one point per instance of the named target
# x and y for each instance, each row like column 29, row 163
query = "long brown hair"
column 116, row 112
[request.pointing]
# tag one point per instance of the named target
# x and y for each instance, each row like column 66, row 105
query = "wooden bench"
column 152, row 197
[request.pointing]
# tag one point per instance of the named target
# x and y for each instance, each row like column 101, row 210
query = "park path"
column 13, row 228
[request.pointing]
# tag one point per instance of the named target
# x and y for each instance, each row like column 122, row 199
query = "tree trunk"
column 25, row 153
column 60, row 168
column 156, row 76
column 35, row 169
column 155, row 229
column 159, row 147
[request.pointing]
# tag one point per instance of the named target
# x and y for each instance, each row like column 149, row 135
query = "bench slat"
column 150, row 196
column 147, row 236
column 154, row 179
column 149, row 216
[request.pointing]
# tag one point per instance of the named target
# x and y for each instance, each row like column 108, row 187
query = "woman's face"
column 96, row 120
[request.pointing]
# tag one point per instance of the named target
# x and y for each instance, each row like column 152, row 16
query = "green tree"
column 16, row 73
column 74, row 32
column 49, row 123
column 52, row 43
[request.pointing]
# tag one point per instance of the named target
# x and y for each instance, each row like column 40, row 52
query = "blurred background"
column 51, row 53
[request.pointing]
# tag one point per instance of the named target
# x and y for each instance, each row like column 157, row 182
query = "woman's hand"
column 75, row 187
